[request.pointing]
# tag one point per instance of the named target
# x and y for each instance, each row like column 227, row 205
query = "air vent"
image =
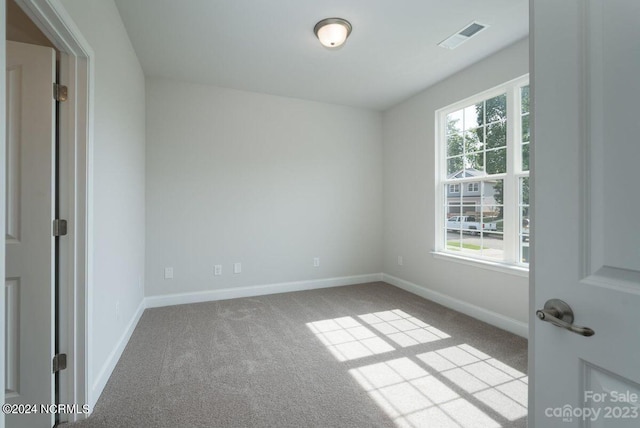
column 462, row 36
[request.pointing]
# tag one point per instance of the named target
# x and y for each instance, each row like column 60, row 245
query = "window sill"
column 484, row 264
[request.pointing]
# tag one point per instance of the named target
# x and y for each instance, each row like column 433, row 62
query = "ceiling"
column 269, row 46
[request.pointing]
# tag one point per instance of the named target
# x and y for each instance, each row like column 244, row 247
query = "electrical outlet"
column 217, row 270
column 168, row 273
column 237, row 267
column 400, row 261
column 316, row 261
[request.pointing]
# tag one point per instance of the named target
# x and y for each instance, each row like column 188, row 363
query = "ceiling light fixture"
column 332, row 32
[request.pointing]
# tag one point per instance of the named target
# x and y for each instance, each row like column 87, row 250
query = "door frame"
column 3, row 193
column 76, row 195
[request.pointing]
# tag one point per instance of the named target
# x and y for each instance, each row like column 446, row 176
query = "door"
column 586, row 234
column 29, row 241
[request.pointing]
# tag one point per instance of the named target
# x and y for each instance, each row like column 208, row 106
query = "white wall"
column 267, row 181
column 409, row 186
column 118, row 184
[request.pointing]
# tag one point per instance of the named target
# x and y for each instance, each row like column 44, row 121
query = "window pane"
column 473, row 188
column 525, row 157
column 524, row 96
column 480, row 113
column 496, row 108
column 454, row 122
column 452, row 212
column 525, row 129
column 493, row 224
column 474, row 164
column 454, row 240
column 473, row 140
column 454, row 165
column 497, row 161
column 524, row 191
column 492, row 204
column 524, row 220
column 524, row 235
column 493, row 245
column 473, row 116
column 524, row 252
column 464, row 243
column 455, row 145
column 497, row 135
column 452, row 201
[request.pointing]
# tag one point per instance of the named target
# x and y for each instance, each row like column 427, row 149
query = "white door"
column 586, row 94
column 29, row 240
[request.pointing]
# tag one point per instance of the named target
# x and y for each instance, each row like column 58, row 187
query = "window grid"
column 488, row 156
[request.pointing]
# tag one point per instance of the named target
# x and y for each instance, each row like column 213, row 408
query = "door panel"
column 29, row 241
column 586, row 154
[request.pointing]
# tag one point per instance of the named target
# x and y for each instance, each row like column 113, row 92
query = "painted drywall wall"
column 409, row 186
column 118, row 183
column 266, row 181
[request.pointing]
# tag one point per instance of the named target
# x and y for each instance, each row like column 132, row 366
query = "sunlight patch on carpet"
column 347, row 339
column 453, row 386
column 490, row 381
column 402, row 328
column 412, row 397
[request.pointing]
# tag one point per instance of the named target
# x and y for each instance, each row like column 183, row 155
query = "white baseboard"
column 113, row 358
column 256, row 290
column 509, row 324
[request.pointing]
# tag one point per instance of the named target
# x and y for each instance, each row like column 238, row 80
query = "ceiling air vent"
column 462, row 36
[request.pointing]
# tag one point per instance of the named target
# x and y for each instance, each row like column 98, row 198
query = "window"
column 483, row 152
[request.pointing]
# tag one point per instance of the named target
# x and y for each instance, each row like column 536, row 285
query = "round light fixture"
column 332, row 32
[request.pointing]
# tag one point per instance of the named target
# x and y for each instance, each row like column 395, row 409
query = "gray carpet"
column 368, row 355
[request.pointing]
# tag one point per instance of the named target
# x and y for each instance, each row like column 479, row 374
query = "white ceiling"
column 268, row 45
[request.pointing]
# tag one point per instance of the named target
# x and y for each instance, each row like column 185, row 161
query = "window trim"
column 504, row 267
column 511, row 177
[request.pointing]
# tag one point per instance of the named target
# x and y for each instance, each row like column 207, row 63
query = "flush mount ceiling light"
column 332, row 32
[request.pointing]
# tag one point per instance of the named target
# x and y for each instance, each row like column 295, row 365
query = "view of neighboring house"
column 472, row 197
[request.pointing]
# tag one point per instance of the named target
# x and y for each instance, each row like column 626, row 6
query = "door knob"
column 558, row 313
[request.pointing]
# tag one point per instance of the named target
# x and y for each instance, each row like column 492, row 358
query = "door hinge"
column 59, row 362
column 59, row 227
column 59, row 92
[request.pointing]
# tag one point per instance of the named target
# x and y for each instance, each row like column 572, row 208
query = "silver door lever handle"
column 558, row 313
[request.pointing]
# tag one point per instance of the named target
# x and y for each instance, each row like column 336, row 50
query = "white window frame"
column 473, row 187
column 454, row 188
column 511, row 231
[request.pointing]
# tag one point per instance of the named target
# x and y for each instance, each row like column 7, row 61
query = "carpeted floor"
column 368, row 355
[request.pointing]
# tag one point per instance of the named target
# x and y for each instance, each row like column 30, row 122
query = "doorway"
column 44, row 22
